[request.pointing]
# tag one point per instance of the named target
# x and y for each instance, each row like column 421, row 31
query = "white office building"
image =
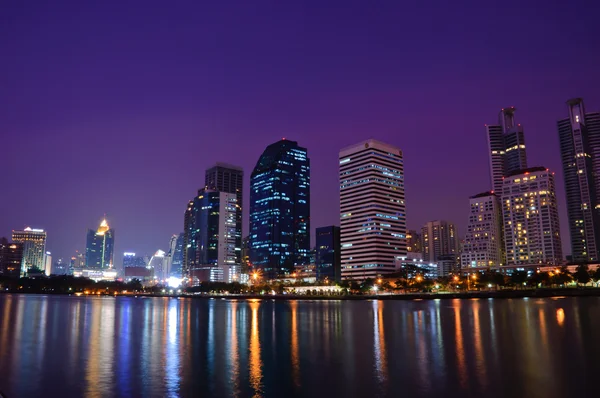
column 484, row 246
column 530, row 214
column 373, row 212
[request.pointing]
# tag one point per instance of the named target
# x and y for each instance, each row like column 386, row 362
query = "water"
column 160, row 347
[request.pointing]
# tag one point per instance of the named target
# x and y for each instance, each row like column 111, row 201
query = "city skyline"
column 326, row 88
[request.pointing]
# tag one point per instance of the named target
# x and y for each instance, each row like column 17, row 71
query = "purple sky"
column 119, row 108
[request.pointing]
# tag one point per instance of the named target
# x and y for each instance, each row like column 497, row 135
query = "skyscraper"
column 328, row 261
column 438, row 238
column 373, row 212
column 100, row 247
column 11, row 258
column 506, row 143
column 34, row 247
column 158, row 265
column 484, row 246
column 188, row 225
column 530, row 214
column 280, row 209
column 212, row 248
column 177, row 257
column 579, row 137
column 228, row 178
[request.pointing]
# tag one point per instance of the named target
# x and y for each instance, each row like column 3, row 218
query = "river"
column 164, row 347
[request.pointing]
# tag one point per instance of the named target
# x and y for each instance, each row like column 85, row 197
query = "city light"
column 174, row 282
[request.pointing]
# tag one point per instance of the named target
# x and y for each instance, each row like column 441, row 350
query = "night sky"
column 118, row 107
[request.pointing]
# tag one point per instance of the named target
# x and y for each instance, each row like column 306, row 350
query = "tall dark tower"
column 100, row 247
column 579, row 136
column 227, row 178
column 280, row 209
column 506, row 142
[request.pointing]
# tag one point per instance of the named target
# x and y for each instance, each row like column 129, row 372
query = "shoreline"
column 492, row 294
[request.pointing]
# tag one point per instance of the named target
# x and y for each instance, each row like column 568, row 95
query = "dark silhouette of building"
column 11, row 258
column 100, row 247
column 579, row 137
column 280, row 209
column 328, row 261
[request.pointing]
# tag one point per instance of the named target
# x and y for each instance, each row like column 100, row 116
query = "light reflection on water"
column 122, row 347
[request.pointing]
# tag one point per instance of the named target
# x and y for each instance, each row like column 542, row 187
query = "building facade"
column 506, row 144
column 34, row 248
column 212, row 248
column 48, row 264
column 484, row 244
column 188, row 225
column 530, row 215
column 373, row 212
column 100, row 247
column 438, row 238
column 413, row 242
column 579, row 136
column 280, row 209
column 228, row 178
column 11, row 258
column 328, row 254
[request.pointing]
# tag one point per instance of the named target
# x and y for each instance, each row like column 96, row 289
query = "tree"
column 582, row 274
column 597, row 275
column 518, row 278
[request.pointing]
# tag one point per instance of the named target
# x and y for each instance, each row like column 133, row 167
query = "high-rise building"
column 177, row 257
column 373, row 212
column 100, row 247
column 188, row 225
column 413, row 242
column 280, row 209
column 212, row 248
column 228, row 178
column 438, row 238
column 506, row 143
column 158, row 265
column 34, row 248
column 579, row 136
column 484, row 246
column 530, row 214
column 11, row 258
column 48, row 263
column 328, row 253
column 60, row 267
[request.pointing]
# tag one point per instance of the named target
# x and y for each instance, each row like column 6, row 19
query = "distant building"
column 212, row 248
column 448, row 264
column 579, row 136
column 328, row 258
column 245, row 254
column 177, row 257
column 280, row 209
column 188, row 231
column 158, row 265
column 484, row 243
column 438, row 238
column 48, row 263
column 130, row 260
column 34, row 248
column 228, row 178
column 136, row 267
column 506, row 143
column 373, row 212
column 413, row 242
column 530, row 214
column 11, row 258
column 60, row 267
column 77, row 263
column 415, row 262
column 100, row 247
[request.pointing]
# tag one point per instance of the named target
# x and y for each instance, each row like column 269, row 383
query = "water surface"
column 161, row 347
